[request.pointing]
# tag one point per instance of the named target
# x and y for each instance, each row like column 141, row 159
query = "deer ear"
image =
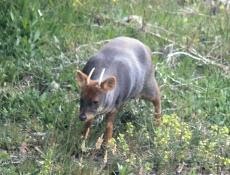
column 81, row 78
column 108, row 84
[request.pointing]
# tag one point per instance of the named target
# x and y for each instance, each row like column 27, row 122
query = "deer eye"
column 95, row 102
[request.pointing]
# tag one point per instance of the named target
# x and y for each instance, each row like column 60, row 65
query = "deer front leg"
column 109, row 126
column 86, row 130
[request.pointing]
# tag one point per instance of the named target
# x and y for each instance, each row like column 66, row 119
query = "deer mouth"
column 86, row 117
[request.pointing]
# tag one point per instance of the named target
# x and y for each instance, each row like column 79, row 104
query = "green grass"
column 39, row 99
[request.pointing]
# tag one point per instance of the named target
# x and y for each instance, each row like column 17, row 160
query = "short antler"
column 90, row 74
column 101, row 76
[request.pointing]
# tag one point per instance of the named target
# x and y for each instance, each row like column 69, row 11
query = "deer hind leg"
column 110, row 117
column 152, row 93
column 157, row 104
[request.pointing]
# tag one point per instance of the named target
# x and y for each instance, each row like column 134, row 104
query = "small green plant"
column 123, row 170
column 47, row 164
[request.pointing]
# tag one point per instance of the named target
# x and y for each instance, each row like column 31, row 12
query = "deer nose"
column 82, row 117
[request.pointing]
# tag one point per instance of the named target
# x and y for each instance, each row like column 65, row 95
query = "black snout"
column 82, row 117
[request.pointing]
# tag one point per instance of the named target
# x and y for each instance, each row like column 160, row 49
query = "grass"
column 39, row 98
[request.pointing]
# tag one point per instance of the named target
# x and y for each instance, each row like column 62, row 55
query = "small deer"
column 120, row 71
